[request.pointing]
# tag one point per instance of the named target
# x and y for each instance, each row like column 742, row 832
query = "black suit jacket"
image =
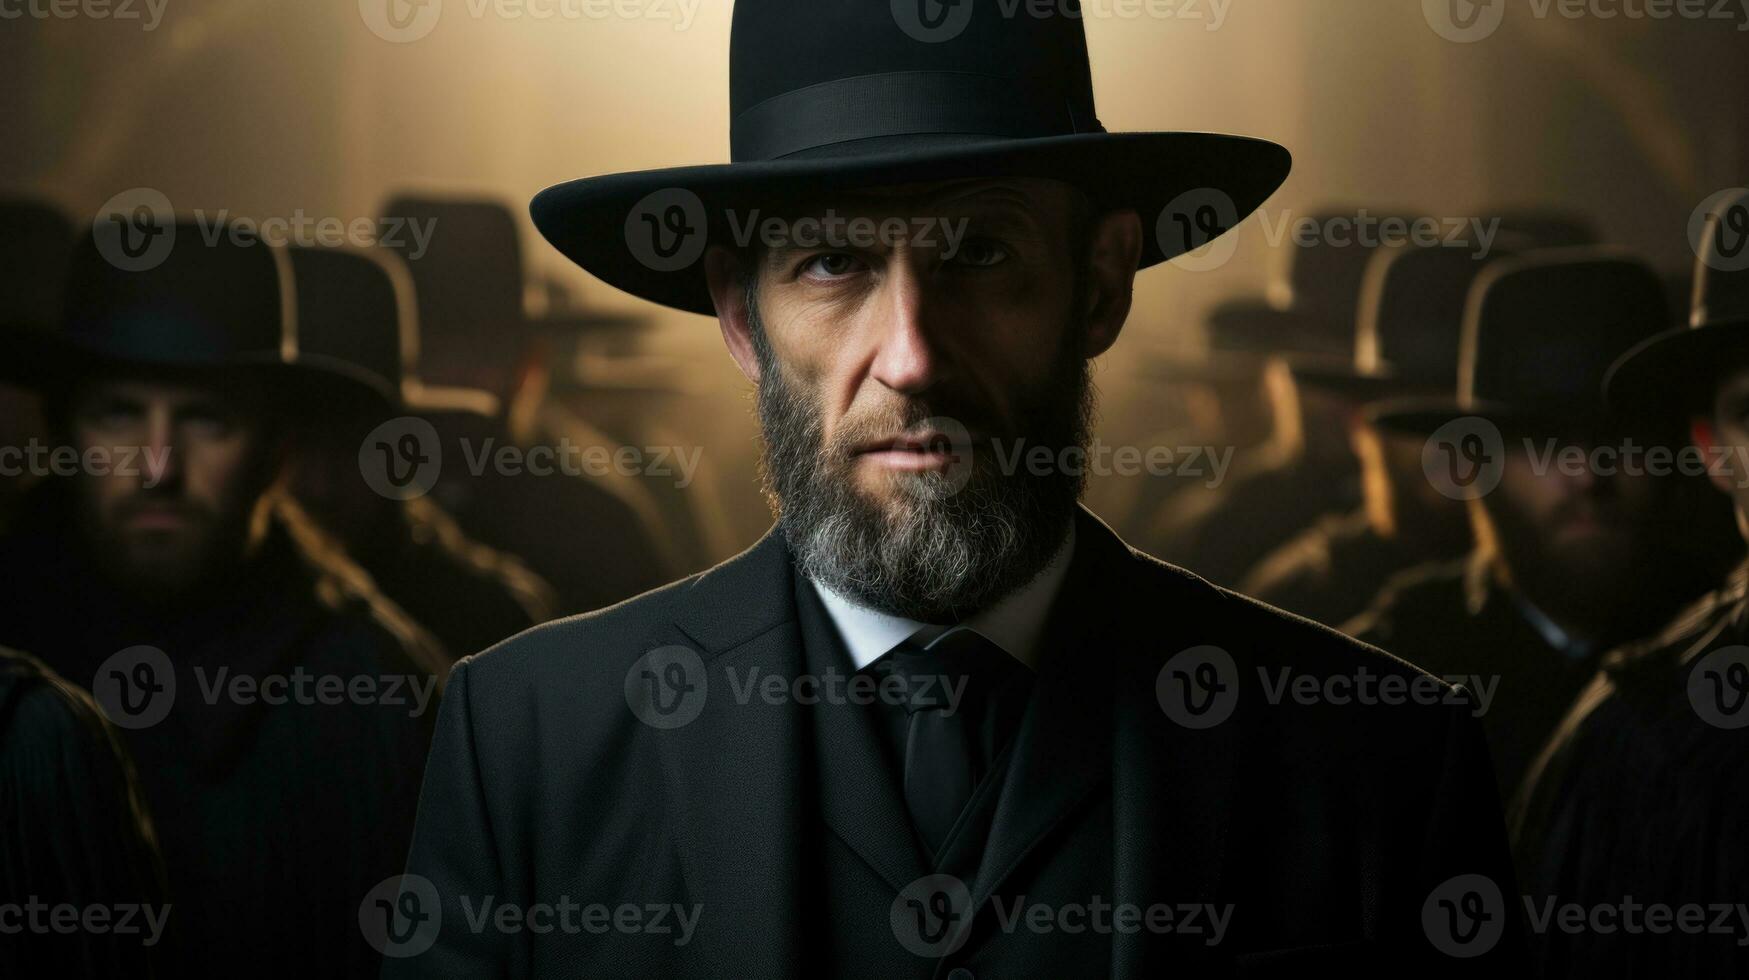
column 1326, row 829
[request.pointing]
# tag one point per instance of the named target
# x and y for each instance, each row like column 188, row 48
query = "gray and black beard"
column 941, row 550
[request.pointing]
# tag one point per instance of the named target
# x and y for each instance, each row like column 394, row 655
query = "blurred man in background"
column 1643, row 792
column 277, row 715
column 1580, row 543
column 34, row 249
column 596, row 534
column 1307, row 468
column 1410, row 322
column 355, row 310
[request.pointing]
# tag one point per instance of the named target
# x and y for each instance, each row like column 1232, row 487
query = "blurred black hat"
column 356, row 318
column 1675, row 372
column 1540, row 331
column 34, row 251
column 468, row 277
column 1308, row 315
column 173, row 295
column 1411, row 322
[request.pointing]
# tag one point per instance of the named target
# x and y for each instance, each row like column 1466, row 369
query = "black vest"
column 879, row 908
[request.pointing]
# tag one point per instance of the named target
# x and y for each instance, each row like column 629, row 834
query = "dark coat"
column 1326, row 827
column 73, row 831
column 1223, row 532
column 590, row 546
column 1455, row 620
column 1644, row 791
column 1330, row 572
column 274, row 820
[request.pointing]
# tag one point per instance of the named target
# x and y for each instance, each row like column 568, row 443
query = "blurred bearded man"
column 1584, row 541
column 277, row 713
column 939, row 696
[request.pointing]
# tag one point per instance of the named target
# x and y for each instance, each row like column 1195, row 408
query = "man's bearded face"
column 899, row 474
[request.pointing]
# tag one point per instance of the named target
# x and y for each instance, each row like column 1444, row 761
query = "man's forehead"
column 177, row 389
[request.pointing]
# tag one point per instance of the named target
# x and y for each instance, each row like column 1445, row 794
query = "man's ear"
column 1113, row 254
column 723, row 278
column 1700, row 429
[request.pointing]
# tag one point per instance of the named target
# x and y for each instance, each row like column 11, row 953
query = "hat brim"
column 1422, row 417
column 39, row 360
column 586, row 219
column 1674, row 373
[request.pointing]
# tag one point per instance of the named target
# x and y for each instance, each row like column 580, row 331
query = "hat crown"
column 1412, row 312
column 200, row 298
column 814, row 77
column 351, row 310
column 1721, row 274
column 1542, row 330
column 467, row 272
column 33, row 261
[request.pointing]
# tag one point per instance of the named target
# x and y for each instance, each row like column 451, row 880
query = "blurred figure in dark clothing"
column 356, row 308
column 1582, row 541
column 73, row 833
column 1643, row 792
column 35, row 244
column 594, row 537
column 1307, row 469
column 1407, row 347
column 276, row 712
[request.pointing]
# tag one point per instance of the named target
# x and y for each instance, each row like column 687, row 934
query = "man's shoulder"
column 587, row 644
column 1252, row 630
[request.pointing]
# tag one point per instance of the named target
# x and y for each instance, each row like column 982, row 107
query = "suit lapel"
column 1173, row 788
column 861, row 798
column 1062, row 751
column 733, row 774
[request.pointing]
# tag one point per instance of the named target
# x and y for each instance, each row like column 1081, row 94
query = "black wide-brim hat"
column 1674, row 373
column 161, row 297
column 834, row 96
column 1540, row 332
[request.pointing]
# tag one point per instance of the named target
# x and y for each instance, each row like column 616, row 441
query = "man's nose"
column 909, row 358
column 162, row 464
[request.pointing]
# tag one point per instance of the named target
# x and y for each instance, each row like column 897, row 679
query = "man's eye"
column 210, row 425
column 112, row 417
column 981, row 252
column 831, row 264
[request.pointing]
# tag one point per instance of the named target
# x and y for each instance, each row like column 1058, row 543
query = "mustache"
column 148, row 502
column 915, row 420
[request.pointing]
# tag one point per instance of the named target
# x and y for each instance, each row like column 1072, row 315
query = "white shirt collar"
column 1015, row 623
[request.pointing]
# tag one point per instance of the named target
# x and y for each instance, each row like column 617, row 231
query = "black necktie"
column 963, row 697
